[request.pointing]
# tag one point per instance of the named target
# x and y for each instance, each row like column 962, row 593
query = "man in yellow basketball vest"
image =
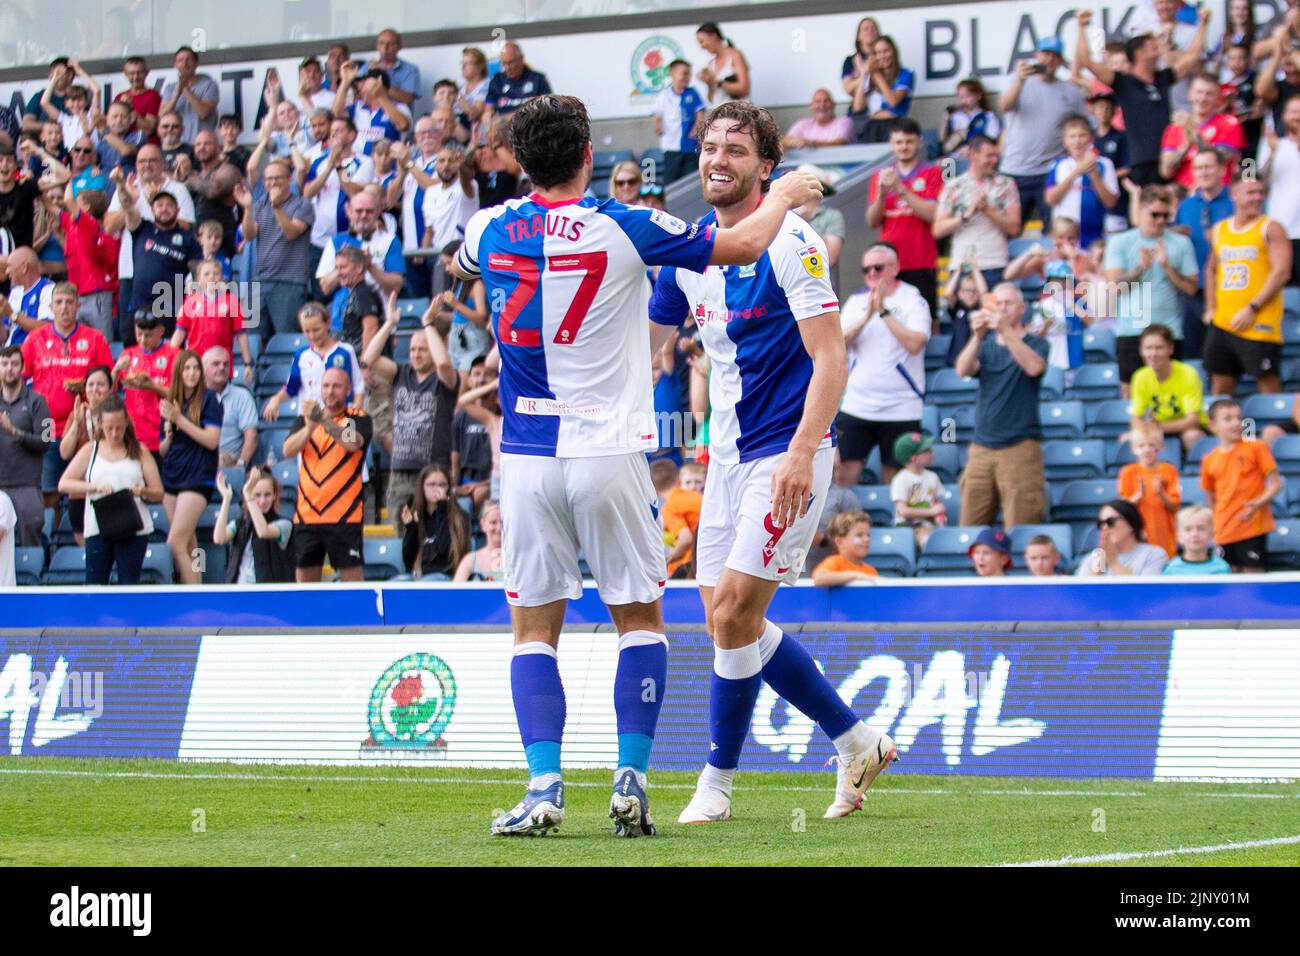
column 1249, row 263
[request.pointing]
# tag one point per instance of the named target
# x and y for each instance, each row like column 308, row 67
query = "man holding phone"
column 1034, row 107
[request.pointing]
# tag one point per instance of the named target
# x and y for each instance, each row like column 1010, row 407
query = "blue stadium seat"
column 270, row 442
column 876, row 502
column 1203, row 446
column 1099, row 345
column 1085, row 458
column 946, row 549
column 402, row 349
column 271, row 379
column 611, row 157
column 160, row 523
column 600, row 184
column 932, row 143
column 1193, row 494
column 157, row 567
column 116, row 349
column 1286, row 450
column 961, row 420
column 945, row 388
column 1062, row 419
column 29, row 563
column 1291, row 301
column 67, row 566
column 948, row 461
column 1059, row 533
column 893, row 552
column 1291, row 375
column 1087, row 537
column 1095, row 382
column 652, row 162
column 872, row 469
column 383, row 558
column 1268, row 409
column 1081, row 500
column 1020, row 245
column 951, row 497
column 936, row 351
column 1284, row 546
column 1108, row 419
column 286, row 472
column 282, row 346
column 1117, row 455
column 1052, row 386
column 1293, row 494
column 930, row 421
column 1282, row 503
column 289, row 409
column 412, row 308
column 236, row 476
column 1291, row 333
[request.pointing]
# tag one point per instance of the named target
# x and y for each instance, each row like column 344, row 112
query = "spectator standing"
column 192, row 94
column 916, row 491
column 1152, row 265
column 310, row 363
column 93, row 255
column 681, row 519
column 424, row 394
column 1166, row 392
column 857, row 65
column 82, row 428
column 57, row 353
column 282, row 223
column 450, row 200
column 902, row 201
column 485, row 563
column 1082, row 184
column 330, row 183
column 27, row 307
column 238, row 443
column 115, row 461
column 1195, row 544
column 434, row 529
column 980, row 210
column 1035, row 107
column 1203, row 128
column 886, row 324
column 469, row 337
column 884, row 96
column 514, row 85
column 259, row 539
column 211, row 316
column 211, row 181
column 1237, row 91
column 821, row 127
column 966, row 289
column 1279, row 76
column 331, row 438
column 674, row 113
column 164, row 253
column 386, row 268
column 726, row 73
column 1249, row 263
column 969, row 116
column 1111, row 142
column 1142, row 92
column 17, row 199
column 471, row 445
column 1279, row 161
column 24, row 415
column 145, row 369
column 404, row 76
column 472, row 91
column 851, row 535
column 61, row 76
column 1121, row 549
column 1240, row 479
column 171, row 132
column 416, row 173
column 144, row 100
column 1005, row 464
column 374, row 111
column 1208, row 204
column 1152, row 486
column 189, row 449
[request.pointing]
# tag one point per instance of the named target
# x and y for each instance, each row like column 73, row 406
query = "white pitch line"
column 1158, row 854
column 471, row 781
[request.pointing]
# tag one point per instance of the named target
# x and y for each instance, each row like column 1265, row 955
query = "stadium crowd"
column 248, row 362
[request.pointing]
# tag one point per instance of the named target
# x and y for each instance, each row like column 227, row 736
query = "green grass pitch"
column 145, row 812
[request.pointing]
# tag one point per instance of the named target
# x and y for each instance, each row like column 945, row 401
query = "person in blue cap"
column 990, row 554
column 1035, row 105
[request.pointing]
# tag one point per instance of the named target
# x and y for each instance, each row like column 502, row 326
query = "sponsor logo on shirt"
column 814, row 263
column 669, row 224
column 551, row 406
column 747, row 272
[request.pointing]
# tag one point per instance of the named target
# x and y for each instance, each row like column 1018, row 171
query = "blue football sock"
column 638, row 694
column 790, row 670
column 539, row 706
column 737, row 679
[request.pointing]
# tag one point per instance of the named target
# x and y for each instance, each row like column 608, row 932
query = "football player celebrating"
column 565, row 277
column 771, row 329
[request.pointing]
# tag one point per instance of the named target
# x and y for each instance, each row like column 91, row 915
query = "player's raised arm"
column 746, row 241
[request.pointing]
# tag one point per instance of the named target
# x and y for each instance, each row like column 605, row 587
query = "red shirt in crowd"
column 902, row 228
column 211, row 320
column 51, row 360
column 91, row 254
column 145, row 103
column 1221, row 131
column 141, row 405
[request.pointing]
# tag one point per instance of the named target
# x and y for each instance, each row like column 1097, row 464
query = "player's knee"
column 735, row 622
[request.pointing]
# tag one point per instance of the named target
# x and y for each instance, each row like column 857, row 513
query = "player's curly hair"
column 548, row 135
column 745, row 117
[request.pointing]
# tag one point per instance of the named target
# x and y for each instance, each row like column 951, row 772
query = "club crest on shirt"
column 814, row 262
column 747, row 272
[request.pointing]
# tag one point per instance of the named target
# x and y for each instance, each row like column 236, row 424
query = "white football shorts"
column 736, row 527
column 605, row 508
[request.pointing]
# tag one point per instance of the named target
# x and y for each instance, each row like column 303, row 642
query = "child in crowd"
column 1240, row 479
column 1042, row 558
column 212, row 236
column 966, row 287
column 990, row 554
column 92, row 256
column 916, row 491
column 118, row 142
column 322, row 351
column 1082, row 185
column 1152, row 485
column 1237, row 92
column 1062, row 308
column 851, row 534
column 80, row 103
column 969, row 116
column 211, row 315
column 681, row 518
column 663, row 475
column 674, row 113
column 1196, row 544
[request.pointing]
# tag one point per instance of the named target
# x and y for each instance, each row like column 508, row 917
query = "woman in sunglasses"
column 625, row 183
column 1121, row 550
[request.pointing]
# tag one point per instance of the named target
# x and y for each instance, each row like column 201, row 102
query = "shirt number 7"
column 591, row 264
